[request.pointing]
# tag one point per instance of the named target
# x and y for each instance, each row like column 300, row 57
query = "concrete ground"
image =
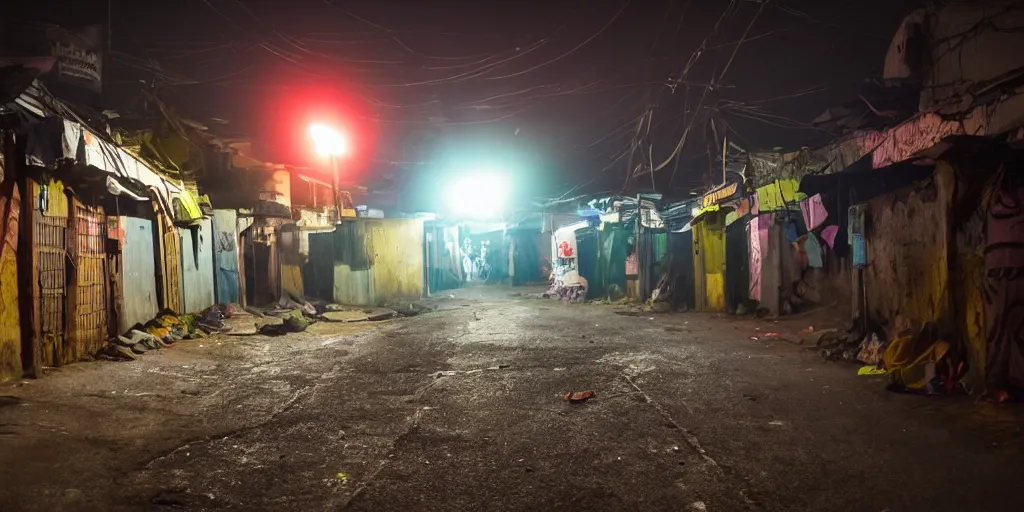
column 461, row 409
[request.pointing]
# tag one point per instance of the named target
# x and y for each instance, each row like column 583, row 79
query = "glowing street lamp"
column 480, row 195
column 330, row 143
column 327, row 141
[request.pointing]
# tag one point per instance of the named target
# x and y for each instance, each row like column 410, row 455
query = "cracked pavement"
column 461, row 409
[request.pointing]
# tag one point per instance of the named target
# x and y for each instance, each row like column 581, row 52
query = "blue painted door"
column 225, row 256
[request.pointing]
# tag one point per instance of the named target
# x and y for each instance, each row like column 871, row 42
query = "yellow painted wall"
column 907, row 246
column 10, row 325
column 291, row 280
column 396, row 255
column 395, row 252
column 709, row 264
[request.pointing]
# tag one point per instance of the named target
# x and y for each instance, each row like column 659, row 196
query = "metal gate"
column 50, row 232
column 318, row 271
column 89, row 324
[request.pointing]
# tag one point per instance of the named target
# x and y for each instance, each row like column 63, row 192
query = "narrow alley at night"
column 709, row 255
column 462, row 409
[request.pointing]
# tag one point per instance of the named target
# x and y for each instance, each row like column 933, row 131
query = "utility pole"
column 334, row 187
column 110, row 29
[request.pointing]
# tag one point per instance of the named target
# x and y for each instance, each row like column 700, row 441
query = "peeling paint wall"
column 908, row 252
column 970, row 306
column 10, row 326
column 394, row 250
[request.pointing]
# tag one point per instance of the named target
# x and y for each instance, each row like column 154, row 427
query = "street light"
column 330, row 143
column 480, row 195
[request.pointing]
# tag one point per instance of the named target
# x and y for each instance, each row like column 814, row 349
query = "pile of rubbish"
column 297, row 314
column 168, row 327
column 295, row 317
column 916, row 358
column 165, row 329
column 573, row 293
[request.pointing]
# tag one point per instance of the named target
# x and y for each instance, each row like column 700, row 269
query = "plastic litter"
column 578, row 396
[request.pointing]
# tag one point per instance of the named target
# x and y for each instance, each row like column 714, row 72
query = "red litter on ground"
column 578, row 396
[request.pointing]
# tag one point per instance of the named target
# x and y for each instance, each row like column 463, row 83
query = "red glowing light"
column 327, row 141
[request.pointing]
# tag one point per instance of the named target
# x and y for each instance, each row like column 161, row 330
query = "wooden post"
column 240, row 256
column 69, row 352
column 158, row 225
column 28, row 274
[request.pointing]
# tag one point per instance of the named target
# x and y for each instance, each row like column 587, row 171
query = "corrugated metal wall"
column 225, row 255
column 396, row 250
column 197, row 266
column 318, row 270
column 138, row 273
column 378, row 260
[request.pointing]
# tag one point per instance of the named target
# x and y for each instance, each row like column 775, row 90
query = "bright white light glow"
column 327, row 141
column 574, row 227
column 479, row 196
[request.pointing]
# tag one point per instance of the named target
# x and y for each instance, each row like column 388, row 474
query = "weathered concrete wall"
column 969, row 302
column 908, row 252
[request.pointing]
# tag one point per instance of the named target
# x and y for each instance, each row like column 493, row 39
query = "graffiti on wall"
column 225, row 241
column 566, row 266
column 565, row 250
column 1003, row 291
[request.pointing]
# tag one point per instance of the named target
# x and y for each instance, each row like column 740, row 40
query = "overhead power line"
column 573, row 50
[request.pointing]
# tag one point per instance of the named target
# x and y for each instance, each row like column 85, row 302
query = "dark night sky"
column 491, row 69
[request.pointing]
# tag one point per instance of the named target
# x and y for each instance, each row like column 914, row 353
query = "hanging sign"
column 79, row 56
column 731, row 189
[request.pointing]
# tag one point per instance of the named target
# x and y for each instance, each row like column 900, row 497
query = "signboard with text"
column 79, row 55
